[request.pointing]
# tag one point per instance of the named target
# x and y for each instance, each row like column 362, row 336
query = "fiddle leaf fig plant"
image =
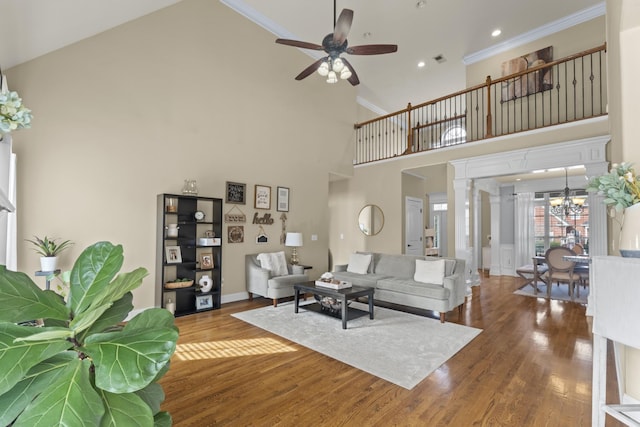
column 84, row 366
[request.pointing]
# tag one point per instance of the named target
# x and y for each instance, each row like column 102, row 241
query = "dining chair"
column 560, row 270
column 578, row 249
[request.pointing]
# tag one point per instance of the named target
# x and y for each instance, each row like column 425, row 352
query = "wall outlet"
column 314, row 237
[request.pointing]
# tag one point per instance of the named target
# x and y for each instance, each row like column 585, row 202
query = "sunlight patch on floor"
column 231, row 348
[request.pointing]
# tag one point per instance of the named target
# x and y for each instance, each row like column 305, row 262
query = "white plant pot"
column 630, row 232
column 48, row 263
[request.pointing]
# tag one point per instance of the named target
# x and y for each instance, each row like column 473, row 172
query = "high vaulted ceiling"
column 455, row 29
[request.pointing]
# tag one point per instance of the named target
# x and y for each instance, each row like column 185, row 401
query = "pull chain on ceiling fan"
column 335, row 44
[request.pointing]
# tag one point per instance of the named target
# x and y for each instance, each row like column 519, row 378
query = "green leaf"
column 114, row 315
column 47, row 334
column 129, row 360
column 162, row 419
column 17, row 358
column 92, row 272
column 70, row 401
column 85, row 319
column 153, row 318
column 153, row 396
column 126, row 409
column 120, row 286
column 22, row 300
column 39, row 377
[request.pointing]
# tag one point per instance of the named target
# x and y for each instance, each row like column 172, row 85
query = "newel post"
column 489, row 117
column 409, row 131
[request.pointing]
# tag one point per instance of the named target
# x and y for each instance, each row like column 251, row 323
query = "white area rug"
column 399, row 347
column 560, row 292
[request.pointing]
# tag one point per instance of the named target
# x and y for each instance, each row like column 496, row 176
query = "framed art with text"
column 236, row 193
column 283, row 199
column 263, row 197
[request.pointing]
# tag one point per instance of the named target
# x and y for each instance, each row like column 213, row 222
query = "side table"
column 47, row 274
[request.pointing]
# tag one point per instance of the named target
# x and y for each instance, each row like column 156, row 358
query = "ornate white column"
column 475, row 258
column 496, row 269
column 461, row 189
column 598, row 217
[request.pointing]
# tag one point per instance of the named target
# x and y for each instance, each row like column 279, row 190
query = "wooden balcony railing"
column 562, row 91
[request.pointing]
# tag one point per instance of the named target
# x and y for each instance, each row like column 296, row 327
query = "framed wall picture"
column 206, row 260
column 235, row 234
column 236, row 193
column 283, row 199
column 173, row 254
column 263, row 197
column 204, row 302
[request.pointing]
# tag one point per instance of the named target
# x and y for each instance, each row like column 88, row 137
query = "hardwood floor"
column 531, row 366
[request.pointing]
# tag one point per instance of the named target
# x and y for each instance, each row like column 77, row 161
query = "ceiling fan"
column 335, row 44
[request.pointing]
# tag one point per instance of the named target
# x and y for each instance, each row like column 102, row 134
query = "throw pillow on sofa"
column 429, row 271
column 359, row 263
column 274, row 262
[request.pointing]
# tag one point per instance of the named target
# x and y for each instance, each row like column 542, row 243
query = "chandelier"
column 566, row 205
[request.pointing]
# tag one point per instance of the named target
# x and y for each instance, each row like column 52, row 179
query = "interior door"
column 414, row 226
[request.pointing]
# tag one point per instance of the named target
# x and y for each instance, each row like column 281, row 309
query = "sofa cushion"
column 402, row 266
column 287, row 281
column 359, row 263
column 411, row 287
column 429, row 271
column 367, row 280
column 274, row 262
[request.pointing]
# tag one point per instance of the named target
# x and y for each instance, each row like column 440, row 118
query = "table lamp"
column 294, row 240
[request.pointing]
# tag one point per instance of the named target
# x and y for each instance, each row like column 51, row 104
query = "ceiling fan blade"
column 354, row 80
column 297, row 43
column 310, row 69
column 372, row 49
column 343, row 25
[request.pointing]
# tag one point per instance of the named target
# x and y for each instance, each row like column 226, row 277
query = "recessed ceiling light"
column 421, row 4
column 421, row 64
column 496, row 32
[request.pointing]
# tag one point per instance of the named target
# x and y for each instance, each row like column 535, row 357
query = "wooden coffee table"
column 342, row 295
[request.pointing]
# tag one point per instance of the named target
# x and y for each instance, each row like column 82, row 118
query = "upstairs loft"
column 552, row 93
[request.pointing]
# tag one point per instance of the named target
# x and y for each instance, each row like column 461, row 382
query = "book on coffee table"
column 340, row 285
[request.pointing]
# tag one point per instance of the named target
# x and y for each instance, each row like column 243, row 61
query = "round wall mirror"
column 371, row 220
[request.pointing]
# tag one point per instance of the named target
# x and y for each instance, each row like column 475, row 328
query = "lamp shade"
column 293, row 239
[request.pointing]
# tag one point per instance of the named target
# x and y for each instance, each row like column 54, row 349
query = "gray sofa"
column 392, row 276
column 262, row 282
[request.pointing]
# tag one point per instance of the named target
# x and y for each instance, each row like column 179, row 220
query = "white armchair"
column 262, row 282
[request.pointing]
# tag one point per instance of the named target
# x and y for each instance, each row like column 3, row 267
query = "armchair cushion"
column 274, row 262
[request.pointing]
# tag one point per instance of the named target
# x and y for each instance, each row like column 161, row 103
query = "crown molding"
column 537, row 33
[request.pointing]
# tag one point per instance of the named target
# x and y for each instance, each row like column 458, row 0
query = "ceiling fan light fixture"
column 345, row 73
column 323, row 69
column 338, row 65
column 332, row 77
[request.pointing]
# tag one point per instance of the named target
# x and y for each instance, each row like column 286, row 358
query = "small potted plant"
column 49, row 250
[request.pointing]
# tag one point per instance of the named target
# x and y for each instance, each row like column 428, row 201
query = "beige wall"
column 567, row 42
column 192, row 91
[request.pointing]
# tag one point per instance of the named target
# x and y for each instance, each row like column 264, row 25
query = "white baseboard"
column 240, row 296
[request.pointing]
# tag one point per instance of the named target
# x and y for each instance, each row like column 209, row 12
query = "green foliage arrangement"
column 620, row 187
column 49, row 247
column 84, row 367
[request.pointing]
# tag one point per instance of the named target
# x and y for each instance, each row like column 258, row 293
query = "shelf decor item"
column 206, row 260
column 204, row 302
column 49, row 249
column 263, row 197
column 173, row 254
column 190, row 187
column 205, row 282
column 178, row 284
column 71, row 373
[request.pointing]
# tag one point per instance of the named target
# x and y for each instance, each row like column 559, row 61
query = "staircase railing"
column 557, row 92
